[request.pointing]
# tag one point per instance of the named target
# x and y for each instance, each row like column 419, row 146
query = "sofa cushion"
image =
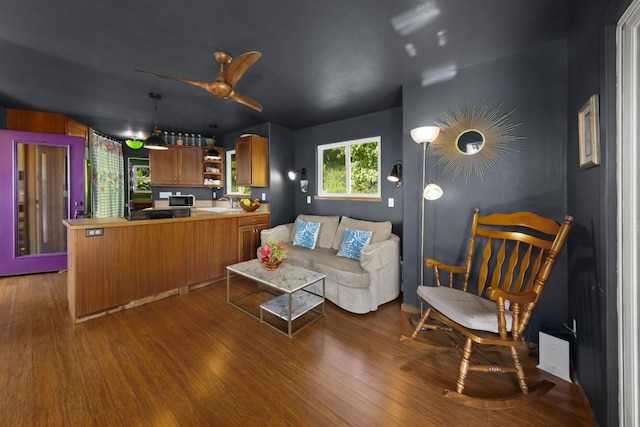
column 328, row 227
column 306, row 234
column 353, row 242
column 345, row 271
column 381, row 230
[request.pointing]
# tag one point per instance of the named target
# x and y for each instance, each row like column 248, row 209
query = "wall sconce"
column 293, row 174
column 396, row 174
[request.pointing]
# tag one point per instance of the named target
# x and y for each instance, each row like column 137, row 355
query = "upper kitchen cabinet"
column 252, row 161
column 37, row 121
column 177, row 166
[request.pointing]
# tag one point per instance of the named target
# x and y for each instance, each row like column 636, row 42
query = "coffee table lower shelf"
column 289, row 307
column 301, row 302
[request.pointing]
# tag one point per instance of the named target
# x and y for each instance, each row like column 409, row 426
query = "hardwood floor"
column 194, row 360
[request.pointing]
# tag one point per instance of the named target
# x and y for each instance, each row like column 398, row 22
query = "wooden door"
column 164, row 166
column 190, row 166
column 243, row 162
column 249, row 229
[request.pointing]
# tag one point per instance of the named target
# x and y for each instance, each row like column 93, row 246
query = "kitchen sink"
column 220, row 209
column 159, row 214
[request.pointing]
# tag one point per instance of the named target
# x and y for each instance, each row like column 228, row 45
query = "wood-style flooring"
column 194, row 360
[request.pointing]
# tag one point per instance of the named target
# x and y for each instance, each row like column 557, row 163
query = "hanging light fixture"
column 155, row 141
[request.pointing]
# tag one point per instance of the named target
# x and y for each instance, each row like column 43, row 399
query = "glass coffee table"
column 288, row 283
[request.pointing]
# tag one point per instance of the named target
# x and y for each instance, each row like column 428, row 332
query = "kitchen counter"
column 197, row 214
column 114, row 263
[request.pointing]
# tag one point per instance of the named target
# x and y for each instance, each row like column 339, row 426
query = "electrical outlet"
column 308, row 199
column 390, row 202
column 264, row 196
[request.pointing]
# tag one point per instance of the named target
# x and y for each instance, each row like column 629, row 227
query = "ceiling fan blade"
column 219, row 89
column 238, row 66
column 233, row 96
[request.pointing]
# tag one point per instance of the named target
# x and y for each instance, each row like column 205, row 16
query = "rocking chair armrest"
column 494, row 293
column 432, row 263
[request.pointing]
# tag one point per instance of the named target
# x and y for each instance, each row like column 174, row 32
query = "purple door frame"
column 10, row 263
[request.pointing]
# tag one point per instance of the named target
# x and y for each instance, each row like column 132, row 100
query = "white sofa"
column 358, row 286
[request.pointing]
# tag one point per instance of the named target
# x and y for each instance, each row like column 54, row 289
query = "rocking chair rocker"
column 517, row 254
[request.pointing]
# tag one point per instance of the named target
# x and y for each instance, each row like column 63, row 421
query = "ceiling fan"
column 230, row 72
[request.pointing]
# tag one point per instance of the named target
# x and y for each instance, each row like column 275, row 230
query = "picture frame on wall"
column 589, row 133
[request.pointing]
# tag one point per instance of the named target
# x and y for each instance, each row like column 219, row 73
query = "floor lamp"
column 425, row 135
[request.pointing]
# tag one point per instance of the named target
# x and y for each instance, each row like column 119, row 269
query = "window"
column 232, row 188
column 350, row 168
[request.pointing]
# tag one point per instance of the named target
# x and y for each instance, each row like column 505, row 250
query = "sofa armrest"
column 377, row 255
column 276, row 234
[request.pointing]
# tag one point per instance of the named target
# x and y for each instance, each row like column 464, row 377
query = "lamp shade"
column 212, row 154
column 432, row 191
column 396, row 173
column 293, row 174
column 155, row 142
column 425, row 134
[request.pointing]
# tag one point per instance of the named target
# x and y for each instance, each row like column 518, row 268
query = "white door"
column 628, row 38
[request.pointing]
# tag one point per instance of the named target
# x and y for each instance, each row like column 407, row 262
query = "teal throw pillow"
column 353, row 242
column 306, row 234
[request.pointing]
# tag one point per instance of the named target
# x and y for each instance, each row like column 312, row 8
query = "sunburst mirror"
column 474, row 140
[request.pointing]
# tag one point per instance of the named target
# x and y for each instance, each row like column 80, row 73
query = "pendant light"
column 155, row 141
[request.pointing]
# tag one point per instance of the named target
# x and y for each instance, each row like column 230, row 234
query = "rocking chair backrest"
column 517, row 252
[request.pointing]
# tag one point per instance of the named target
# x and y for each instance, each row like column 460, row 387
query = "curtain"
column 108, row 177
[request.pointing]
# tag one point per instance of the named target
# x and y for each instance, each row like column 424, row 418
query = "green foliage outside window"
column 231, row 165
column 351, row 168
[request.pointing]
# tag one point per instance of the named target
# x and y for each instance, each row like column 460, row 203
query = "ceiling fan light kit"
column 231, row 70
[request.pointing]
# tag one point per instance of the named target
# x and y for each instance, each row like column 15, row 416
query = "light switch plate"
column 165, row 194
column 390, row 202
column 308, row 199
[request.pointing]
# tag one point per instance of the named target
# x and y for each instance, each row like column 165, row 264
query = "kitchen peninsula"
column 115, row 264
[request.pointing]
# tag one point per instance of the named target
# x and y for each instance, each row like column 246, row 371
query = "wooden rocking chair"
column 515, row 254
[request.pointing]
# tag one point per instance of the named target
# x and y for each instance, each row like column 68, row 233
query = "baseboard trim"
column 409, row 309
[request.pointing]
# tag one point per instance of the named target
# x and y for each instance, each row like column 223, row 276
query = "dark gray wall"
column 280, row 161
column 386, row 124
column 533, row 84
column 592, row 198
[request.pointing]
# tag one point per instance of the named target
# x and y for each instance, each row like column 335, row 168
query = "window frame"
column 229, row 175
column 321, row 194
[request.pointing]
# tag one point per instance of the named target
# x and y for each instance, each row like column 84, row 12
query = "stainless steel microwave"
column 182, row 201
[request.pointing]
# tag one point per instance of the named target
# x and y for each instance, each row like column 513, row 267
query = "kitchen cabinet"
column 213, row 167
column 168, row 256
column 178, row 165
column 37, row 121
column 249, row 229
column 252, row 161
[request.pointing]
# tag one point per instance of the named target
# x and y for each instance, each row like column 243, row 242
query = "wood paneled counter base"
column 115, row 264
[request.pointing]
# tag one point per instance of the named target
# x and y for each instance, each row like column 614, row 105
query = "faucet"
column 226, row 199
